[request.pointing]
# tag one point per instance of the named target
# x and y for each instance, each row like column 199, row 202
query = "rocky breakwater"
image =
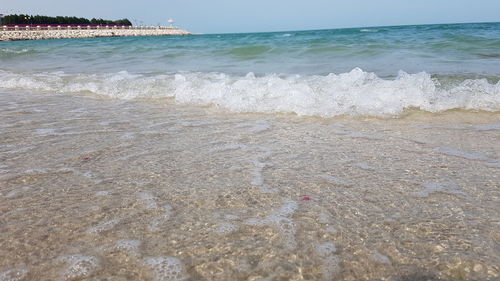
column 11, row 35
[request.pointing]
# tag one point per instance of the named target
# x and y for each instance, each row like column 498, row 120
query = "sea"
column 366, row 153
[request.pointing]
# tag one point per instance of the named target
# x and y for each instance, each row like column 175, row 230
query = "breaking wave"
column 354, row 93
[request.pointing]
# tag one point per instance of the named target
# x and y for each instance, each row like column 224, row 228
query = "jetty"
column 50, row 31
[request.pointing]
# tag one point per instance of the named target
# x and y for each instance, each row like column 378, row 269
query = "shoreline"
column 17, row 35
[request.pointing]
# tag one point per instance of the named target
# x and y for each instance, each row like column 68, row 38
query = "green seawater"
column 435, row 49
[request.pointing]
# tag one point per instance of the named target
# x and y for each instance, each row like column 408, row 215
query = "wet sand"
column 101, row 189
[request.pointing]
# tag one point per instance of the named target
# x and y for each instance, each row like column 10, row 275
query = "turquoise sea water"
column 428, row 67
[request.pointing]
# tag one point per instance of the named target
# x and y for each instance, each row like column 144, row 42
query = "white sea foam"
column 326, row 249
column 226, row 228
column 379, row 258
column 158, row 222
column 462, row 154
column 353, row 93
column 167, row 268
column 102, row 193
column 259, row 166
column 280, row 220
column 79, row 266
column 329, row 268
column 488, row 127
column 148, row 199
column 495, row 164
column 104, row 226
column 15, row 274
column 335, row 180
column 441, row 187
column 330, row 262
column 364, row 166
column 130, row 247
column 13, row 51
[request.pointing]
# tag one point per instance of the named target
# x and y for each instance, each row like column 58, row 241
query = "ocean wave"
column 249, row 52
column 8, row 51
column 353, row 93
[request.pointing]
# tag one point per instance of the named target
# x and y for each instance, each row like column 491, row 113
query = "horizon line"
column 338, row 28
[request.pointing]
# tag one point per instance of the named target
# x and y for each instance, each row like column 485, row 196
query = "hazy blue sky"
column 266, row 15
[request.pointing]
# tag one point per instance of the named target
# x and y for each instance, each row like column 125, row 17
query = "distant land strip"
column 37, row 32
column 29, row 27
column 38, row 19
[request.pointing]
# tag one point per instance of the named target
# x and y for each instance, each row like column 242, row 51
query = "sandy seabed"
column 102, row 189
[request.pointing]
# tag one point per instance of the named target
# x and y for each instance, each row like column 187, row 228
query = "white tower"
column 170, row 22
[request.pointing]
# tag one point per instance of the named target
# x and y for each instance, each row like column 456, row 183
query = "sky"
column 228, row 16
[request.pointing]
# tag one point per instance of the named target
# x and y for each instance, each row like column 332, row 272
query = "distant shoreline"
column 22, row 34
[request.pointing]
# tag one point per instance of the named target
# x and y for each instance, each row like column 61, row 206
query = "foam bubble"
column 13, row 51
column 227, row 147
column 488, row 127
column 462, row 154
column 158, row 221
column 280, row 221
column 16, row 193
column 166, row 268
column 260, row 128
column 287, row 228
column 148, row 199
column 353, row 93
column 102, row 193
column 379, row 258
column 46, row 132
column 326, row 249
column 287, row 209
column 364, row 166
column 330, row 262
column 495, row 164
column 104, row 226
column 226, row 228
column 329, row 268
column 331, row 229
column 441, row 187
column 335, row 180
column 324, row 218
column 362, row 136
column 259, row 166
column 131, row 247
column 231, row 217
column 15, row 274
column 79, row 266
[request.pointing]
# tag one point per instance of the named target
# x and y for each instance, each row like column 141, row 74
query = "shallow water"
column 100, row 189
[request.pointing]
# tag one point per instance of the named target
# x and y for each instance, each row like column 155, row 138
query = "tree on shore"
column 30, row 19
